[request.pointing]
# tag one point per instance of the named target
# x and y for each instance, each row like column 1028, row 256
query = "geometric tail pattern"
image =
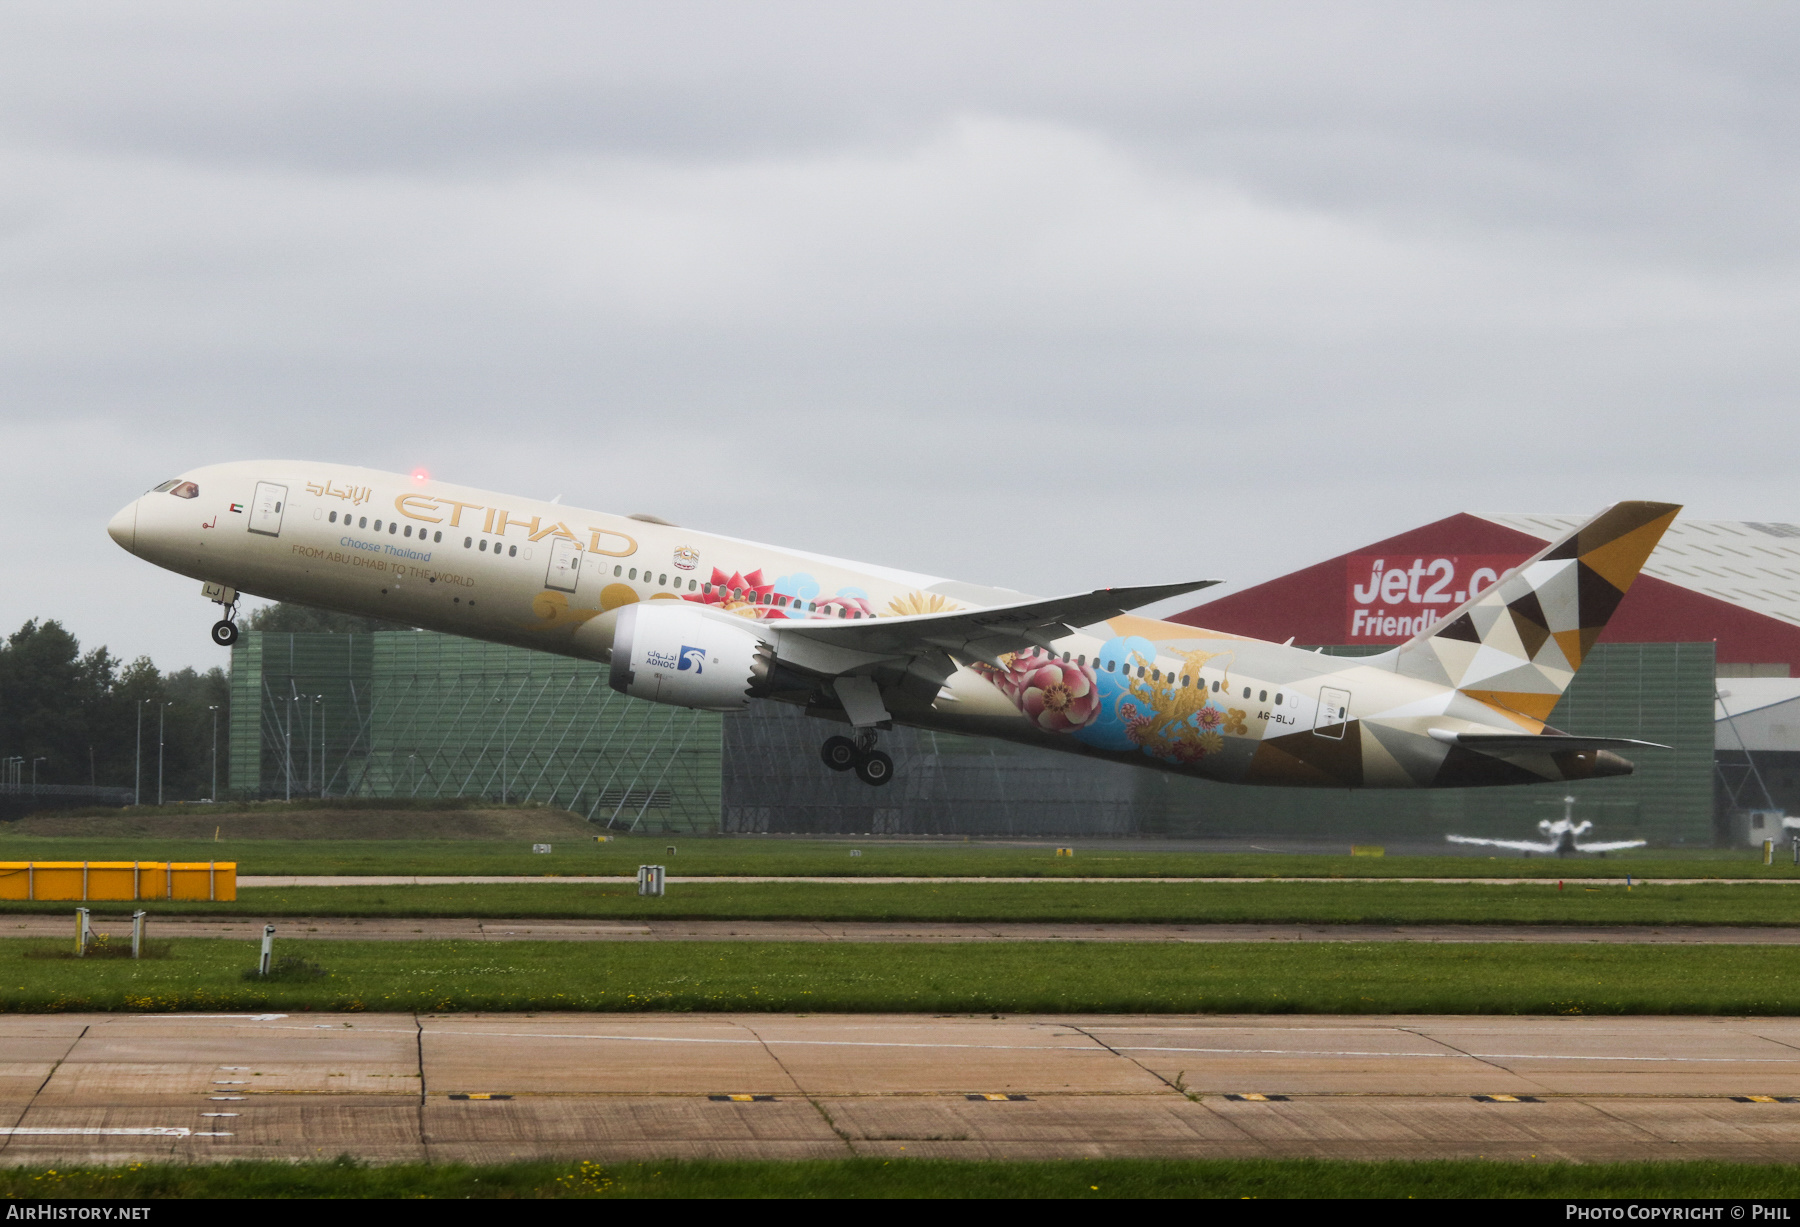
column 1516, row 645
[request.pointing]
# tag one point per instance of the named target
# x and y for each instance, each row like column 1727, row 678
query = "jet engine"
column 670, row 652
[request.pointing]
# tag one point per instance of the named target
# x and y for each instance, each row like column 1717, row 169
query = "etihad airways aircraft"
column 703, row 621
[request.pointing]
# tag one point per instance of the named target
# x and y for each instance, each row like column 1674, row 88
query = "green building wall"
column 418, row 714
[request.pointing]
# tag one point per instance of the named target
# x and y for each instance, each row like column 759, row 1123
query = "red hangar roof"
column 1734, row 582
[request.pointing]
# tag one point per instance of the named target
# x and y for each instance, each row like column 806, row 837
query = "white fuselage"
column 552, row 577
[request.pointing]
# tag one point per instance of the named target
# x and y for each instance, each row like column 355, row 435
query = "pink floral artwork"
column 749, row 595
column 1054, row 694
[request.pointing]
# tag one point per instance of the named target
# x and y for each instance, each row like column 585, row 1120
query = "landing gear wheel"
column 839, row 753
column 224, row 632
column 875, row 768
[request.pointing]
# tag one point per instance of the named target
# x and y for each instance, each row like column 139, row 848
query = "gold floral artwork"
column 554, row 612
column 1178, row 723
column 921, row 603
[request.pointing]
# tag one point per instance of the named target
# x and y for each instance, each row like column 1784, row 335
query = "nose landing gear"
column 225, row 630
column 871, row 765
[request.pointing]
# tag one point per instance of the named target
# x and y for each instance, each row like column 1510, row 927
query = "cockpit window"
column 186, row 489
column 167, row 486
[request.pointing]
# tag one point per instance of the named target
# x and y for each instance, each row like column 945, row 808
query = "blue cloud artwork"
column 1106, row 730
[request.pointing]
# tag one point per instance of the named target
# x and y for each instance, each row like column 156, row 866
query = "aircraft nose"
column 123, row 527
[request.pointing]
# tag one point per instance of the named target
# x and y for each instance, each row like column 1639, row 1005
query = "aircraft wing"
column 1615, row 845
column 973, row 634
column 1517, row 845
column 1539, row 743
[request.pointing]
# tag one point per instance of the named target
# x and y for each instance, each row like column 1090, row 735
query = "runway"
column 338, row 928
column 385, row 1087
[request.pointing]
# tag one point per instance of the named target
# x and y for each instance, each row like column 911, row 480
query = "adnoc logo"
column 692, row 658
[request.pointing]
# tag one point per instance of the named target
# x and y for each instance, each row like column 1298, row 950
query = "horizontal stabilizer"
column 1504, row 744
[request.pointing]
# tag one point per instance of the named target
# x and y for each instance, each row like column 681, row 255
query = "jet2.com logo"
column 692, row 658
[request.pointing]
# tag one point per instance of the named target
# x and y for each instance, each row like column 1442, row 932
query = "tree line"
column 88, row 717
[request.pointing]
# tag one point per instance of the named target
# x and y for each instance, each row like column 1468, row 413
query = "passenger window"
column 633, row 574
column 618, row 571
column 1140, row 671
column 363, row 523
column 693, row 584
column 812, row 607
column 436, row 537
column 1278, row 698
column 1246, row 692
column 1215, row 688
column 393, row 527
column 188, row 489
column 333, row 519
column 408, row 532
column 1186, row 681
column 1262, row 696
column 512, row 551
column 378, row 526
column 662, row 580
column 484, row 545
column 1109, row 666
column 1082, row 659
column 468, row 541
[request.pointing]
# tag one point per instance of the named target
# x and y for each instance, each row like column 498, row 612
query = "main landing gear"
column 871, row 765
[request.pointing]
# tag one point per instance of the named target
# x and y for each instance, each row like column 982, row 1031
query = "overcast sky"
column 1049, row 296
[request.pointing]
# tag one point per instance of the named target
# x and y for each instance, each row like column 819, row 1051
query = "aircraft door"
column 1333, row 714
column 565, row 565
column 266, row 508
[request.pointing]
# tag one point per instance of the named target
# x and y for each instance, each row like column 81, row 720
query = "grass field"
column 988, row 902
column 1009, row 978
column 869, row 1178
column 697, row 856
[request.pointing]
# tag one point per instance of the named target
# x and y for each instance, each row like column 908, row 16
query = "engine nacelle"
column 670, row 652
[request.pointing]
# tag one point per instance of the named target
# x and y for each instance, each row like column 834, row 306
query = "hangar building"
column 1718, row 599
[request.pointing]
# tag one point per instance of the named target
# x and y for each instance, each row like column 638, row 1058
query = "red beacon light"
column 420, row 474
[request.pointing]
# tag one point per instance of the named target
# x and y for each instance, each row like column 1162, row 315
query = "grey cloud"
column 1044, row 295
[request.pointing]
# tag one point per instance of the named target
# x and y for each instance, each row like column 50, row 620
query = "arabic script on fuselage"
column 355, row 495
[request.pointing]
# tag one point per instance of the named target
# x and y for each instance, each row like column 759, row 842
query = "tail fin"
column 1516, row 646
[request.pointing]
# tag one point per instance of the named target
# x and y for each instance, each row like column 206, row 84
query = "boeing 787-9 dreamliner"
column 703, row 621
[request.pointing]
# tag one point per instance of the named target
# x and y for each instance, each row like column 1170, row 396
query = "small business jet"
column 1562, row 836
column 704, row 621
